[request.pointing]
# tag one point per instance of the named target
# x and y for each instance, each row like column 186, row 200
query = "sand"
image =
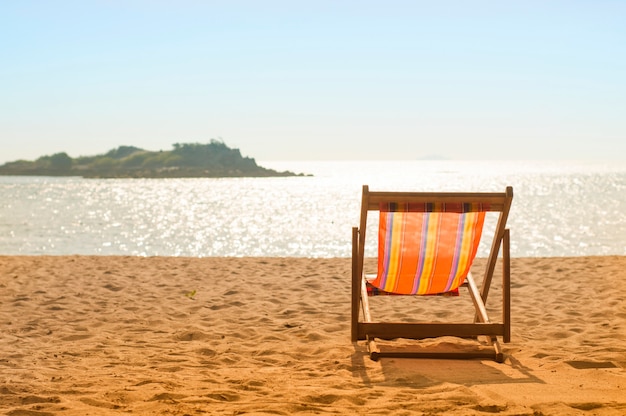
column 82, row 335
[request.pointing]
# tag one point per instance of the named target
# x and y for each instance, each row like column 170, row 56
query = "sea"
column 559, row 209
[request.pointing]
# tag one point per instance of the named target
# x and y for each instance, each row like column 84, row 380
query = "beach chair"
column 427, row 242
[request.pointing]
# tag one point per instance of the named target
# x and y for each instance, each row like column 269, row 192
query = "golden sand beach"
column 89, row 335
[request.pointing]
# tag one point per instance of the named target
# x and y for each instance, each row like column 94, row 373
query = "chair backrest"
column 428, row 241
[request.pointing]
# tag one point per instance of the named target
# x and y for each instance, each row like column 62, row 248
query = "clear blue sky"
column 298, row 80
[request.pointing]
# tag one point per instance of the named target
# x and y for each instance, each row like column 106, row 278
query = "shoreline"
column 270, row 335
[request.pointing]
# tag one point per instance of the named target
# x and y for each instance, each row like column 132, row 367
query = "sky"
column 316, row 80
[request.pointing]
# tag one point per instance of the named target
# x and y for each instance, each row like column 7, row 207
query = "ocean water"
column 559, row 209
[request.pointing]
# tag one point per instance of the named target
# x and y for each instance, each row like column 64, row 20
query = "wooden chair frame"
column 367, row 329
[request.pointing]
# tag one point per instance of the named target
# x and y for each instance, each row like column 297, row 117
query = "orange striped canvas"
column 426, row 250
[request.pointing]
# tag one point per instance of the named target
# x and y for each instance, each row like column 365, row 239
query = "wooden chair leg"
column 356, row 287
column 367, row 317
column 506, row 287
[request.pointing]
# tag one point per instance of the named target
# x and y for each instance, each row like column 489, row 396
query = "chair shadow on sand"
column 425, row 372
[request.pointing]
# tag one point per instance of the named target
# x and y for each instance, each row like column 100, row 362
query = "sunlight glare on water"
column 559, row 209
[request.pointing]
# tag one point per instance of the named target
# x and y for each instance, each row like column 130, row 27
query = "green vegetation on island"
column 187, row 160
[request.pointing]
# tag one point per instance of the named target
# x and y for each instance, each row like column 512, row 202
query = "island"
column 186, row 160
